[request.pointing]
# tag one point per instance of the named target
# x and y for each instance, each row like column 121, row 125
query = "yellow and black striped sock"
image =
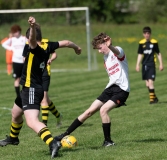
column 152, row 95
column 53, row 109
column 45, row 135
column 45, row 114
column 15, row 129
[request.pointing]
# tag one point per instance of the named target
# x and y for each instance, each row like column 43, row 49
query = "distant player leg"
column 17, row 86
column 55, row 112
column 45, row 109
column 47, row 104
column 17, row 71
column 152, row 95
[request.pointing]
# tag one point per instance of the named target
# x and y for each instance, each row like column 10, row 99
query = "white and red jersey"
column 16, row 45
column 117, row 69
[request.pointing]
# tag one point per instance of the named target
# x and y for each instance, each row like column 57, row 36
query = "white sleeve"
column 7, row 45
column 120, row 51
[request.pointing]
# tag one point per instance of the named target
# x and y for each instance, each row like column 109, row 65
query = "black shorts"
column 148, row 72
column 45, row 82
column 18, row 102
column 31, row 98
column 17, row 69
column 115, row 94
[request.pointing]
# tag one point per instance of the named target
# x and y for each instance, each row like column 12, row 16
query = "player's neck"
column 39, row 42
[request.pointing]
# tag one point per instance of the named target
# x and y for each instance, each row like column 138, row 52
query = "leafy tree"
column 153, row 11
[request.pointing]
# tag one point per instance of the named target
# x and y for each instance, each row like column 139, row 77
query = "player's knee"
column 16, row 117
column 103, row 111
column 44, row 102
column 88, row 114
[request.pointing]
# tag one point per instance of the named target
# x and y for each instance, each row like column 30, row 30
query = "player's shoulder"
column 22, row 36
column 142, row 41
column 153, row 41
column 45, row 40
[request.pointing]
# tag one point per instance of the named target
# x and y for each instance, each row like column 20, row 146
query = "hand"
column 137, row 68
column 49, row 62
column 78, row 50
column 108, row 41
column 161, row 68
column 31, row 21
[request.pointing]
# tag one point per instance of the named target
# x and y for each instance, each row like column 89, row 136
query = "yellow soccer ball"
column 69, row 141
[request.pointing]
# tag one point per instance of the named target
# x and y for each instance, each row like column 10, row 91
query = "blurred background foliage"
column 110, row 11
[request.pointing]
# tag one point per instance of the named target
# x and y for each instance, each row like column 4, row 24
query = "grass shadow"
column 150, row 140
column 83, row 125
column 96, row 147
column 87, row 125
column 61, row 152
column 162, row 102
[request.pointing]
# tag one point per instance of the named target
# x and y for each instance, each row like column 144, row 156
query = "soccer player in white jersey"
column 116, row 91
column 16, row 44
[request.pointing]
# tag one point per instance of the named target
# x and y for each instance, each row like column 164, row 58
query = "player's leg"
column 55, row 111
column 31, row 99
column 106, row 122
column 117, row 98
column 17, row 86
column 31, row 116
column 17, row 71
column 152, row 95
column 45, row 109
column 150, row 75
column 46, row 104
column 16, row 124
column 95, row 106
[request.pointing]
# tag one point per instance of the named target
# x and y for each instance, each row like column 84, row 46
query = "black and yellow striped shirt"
column 35, row 63
column 149, row 50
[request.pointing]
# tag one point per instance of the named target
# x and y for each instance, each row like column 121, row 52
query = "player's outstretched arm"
column 32, row 36
column 69, row 44
column 108, row 43
column 114, row 50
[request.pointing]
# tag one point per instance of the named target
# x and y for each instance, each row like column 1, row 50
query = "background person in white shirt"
column 116, row 91
column 16, row 44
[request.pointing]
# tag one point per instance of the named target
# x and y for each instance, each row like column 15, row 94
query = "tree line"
column 115, row 11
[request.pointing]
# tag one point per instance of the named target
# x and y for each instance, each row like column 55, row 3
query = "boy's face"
column 16, row 34
column 147, row 35
column 102, row 48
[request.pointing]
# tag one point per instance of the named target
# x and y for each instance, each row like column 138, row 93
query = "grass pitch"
column 138, row 129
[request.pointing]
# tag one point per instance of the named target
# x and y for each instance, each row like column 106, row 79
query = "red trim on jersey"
column 121, row 59
column 105, row 65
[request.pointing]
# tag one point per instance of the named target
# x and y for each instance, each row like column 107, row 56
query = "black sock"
column 73, row 126
column 17, row 90
column 106, row 131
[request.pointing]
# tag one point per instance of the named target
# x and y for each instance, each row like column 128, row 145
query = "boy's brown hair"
column 15, row 28
column 99, row 39
column 38, row 33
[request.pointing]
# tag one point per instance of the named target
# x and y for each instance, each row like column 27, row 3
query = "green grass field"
column 138, row 129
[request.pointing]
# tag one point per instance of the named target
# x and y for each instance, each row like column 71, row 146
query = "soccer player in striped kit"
column 32, row 90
